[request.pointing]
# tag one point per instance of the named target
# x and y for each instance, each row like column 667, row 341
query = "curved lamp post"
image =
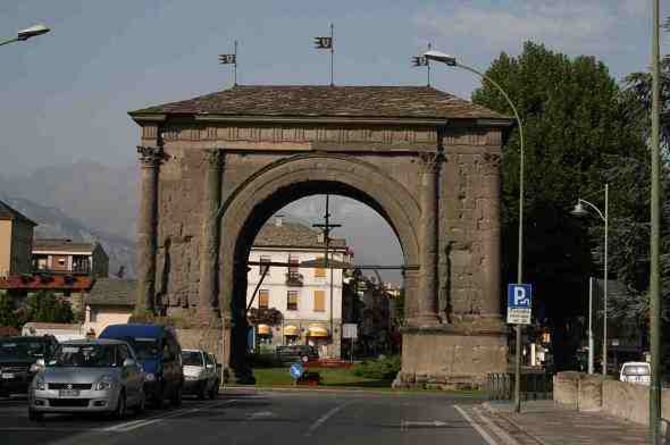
column 448, row 60
column 27, row 33
column 579, row 210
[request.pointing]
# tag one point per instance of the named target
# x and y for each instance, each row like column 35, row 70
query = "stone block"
column 566, row 386
column 626, row 400
column 450, row 359
column 590, row 393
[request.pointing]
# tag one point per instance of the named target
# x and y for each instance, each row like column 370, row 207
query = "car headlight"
column 149, row 377
column 39, row 384
column 104, row 383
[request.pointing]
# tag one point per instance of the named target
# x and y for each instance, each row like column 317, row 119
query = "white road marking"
column 507, row 439
column 405, row 424
column 261, row 415
column 321, row 420
column 489, row 440
column 135, row 424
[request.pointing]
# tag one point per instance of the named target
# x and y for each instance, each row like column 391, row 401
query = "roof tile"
column 329, row 101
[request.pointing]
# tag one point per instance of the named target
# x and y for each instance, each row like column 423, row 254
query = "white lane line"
column 321, row 420
column 489, row 440
column 506, row 438
column 135, row 424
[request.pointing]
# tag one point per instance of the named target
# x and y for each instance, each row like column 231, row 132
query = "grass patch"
column 329, row 377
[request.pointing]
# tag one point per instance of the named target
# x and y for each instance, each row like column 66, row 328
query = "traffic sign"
column 296, row 370
column 519, row 303
column 349, row 330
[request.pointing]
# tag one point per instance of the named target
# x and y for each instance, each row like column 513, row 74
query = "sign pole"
column 519, row 308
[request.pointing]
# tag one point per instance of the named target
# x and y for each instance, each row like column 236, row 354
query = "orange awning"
column 317, row 331
column 263, row 329
column 291, row 330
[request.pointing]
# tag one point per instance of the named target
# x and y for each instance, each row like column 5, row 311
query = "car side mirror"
column 129, row 362
column 38, row 365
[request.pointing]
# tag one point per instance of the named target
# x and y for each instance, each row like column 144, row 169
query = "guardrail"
column 534, row 385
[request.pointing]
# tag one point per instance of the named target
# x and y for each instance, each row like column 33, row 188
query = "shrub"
column 384, row 368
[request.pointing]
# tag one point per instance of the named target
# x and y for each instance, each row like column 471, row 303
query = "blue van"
column 157, row 348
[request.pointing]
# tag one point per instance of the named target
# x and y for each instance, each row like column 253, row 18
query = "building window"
column 292, row 300
column 319, row 301
column 293, row 269
column 264, row 260
column 263, row 299
column 320, row 272
column 93, row 316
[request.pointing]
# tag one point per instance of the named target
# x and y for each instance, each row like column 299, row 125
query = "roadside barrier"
column 535, row 385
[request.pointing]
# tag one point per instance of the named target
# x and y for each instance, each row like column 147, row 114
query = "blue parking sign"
column 519, row 303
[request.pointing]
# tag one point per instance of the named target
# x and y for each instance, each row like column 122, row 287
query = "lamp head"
column 579, row 210
column 33, row 31
column 439, row 56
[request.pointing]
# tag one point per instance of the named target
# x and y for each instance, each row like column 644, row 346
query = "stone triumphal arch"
column 215, row 167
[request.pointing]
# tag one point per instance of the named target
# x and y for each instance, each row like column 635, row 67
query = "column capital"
column 151, row 156
column 431, row 161
column 492, row 161
column 214, row 157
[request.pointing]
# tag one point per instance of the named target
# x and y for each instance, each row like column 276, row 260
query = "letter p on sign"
column 520, row 297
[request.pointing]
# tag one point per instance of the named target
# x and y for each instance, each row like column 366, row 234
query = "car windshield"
column 18, row 348
column 84, row 356
column 146, row 347
column 191, row 358
column 636, row 370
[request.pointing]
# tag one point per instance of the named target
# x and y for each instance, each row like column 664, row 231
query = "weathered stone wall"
column 470, row 225
column 438, row 187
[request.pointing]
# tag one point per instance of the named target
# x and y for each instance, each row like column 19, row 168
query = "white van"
column 636, row 372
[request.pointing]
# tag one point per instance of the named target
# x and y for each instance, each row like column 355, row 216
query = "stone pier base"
column 446, row 358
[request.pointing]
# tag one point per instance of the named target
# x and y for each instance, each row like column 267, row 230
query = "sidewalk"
column 544, row 422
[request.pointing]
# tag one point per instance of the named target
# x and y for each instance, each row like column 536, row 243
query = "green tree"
column 576, row 133
column 46, row 307
column 8, row 315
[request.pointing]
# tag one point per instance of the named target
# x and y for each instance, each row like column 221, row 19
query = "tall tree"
column 575, row 131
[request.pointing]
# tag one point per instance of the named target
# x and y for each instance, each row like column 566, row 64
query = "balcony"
column 294, row 279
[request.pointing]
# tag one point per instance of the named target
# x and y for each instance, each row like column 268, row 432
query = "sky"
column 65, row 95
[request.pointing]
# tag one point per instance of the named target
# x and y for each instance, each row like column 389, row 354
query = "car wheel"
column 202, row 391
column 175, row 400
column 141, row 404
column 35, row 416
column 120, row 411
column 214, row 391
column 159, row 397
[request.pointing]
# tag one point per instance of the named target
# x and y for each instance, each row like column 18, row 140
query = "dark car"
column 295, row 353
column 18, row 357
column 158, row 350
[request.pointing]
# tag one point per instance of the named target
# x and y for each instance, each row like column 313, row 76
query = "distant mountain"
column 101, row 197
column 84, row 201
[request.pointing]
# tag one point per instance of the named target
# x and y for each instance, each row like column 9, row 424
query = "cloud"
column 570, row 25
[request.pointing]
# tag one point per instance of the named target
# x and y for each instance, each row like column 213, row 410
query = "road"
column 251, row 417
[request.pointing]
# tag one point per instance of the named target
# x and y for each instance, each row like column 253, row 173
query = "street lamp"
column 579, row 210
column 27, row 33
column 449, row 60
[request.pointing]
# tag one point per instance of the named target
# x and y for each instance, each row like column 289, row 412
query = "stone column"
column 209, row 239
column 147, row 227
column 490, row 236
column 428, row 280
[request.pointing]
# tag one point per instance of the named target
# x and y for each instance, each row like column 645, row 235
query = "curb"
column 344, row 389
column 486, row 406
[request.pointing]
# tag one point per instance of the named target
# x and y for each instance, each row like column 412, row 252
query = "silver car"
column 88, row 376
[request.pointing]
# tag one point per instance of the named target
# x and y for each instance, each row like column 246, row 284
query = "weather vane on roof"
column 418, row 61
column 327, row 42
column 230, row 59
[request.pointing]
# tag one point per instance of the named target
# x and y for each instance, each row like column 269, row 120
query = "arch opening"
column 260, row 213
